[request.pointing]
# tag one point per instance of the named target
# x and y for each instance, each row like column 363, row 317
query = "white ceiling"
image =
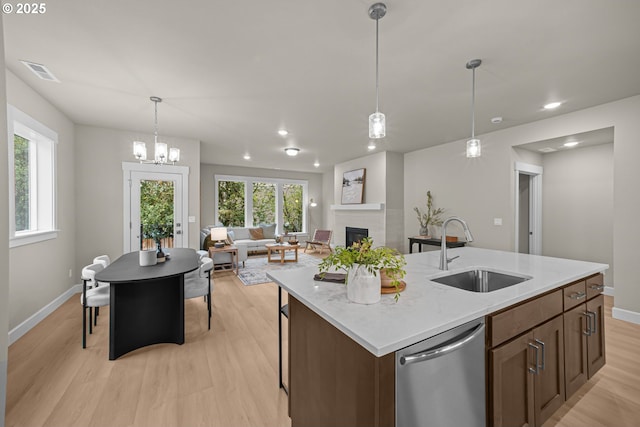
column 584, row 139
column 231, row 73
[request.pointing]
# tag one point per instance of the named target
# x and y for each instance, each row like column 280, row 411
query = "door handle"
column 178, row 224
column 441, row 351
column 588, row 331
column 577, row 295
column 537, row 363
column 178, row 231
column 595, row 322
column 543, row 353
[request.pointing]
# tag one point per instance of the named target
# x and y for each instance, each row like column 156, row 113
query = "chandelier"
column 162, row 153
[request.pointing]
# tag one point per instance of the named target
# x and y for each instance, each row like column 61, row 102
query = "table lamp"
column 219, row 235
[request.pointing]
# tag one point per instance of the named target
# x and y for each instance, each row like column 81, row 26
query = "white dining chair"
column 198, row 283
column 103, row 259
column 92, row 296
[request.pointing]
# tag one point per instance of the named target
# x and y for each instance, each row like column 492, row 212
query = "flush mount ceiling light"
column 292, row 151
column 246, row 157
column 161, row 154
column 371, row 145
column 552, row 105
column 283, row 132
column 571, row 144
column 377, row 126
column 473, row 145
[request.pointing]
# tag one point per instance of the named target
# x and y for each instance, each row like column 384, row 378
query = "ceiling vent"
column 41, row 71
column 547, row 150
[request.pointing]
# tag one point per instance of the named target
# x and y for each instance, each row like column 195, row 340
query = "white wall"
column 4, row 240
column 577, row 205
column 207, row 195
column 100, row 153
column 384, row 182
column 482, row 189
column 31, row 288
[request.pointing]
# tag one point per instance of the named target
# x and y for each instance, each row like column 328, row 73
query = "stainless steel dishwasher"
column 441, row 381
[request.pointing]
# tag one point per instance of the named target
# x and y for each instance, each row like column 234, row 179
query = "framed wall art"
column 353, row 186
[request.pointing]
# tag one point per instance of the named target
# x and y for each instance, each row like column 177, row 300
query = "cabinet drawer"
column 514, row 321
column 595, row 285
column 574, row 294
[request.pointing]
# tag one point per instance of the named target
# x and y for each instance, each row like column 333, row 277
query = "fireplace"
column 355, row 235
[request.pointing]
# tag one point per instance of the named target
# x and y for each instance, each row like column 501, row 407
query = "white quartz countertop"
column 426, row 308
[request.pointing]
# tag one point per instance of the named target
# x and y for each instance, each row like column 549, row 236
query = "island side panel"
column 334, row 381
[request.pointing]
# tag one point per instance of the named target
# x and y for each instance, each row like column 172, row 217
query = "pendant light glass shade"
column 474, row 147
column 161, row 152
column 377, row 124
column 140, row 150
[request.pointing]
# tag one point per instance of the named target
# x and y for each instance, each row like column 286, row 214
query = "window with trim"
column 247, row 202
column 32, row 198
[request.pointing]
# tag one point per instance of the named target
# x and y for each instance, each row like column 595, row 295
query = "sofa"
column 246, row 239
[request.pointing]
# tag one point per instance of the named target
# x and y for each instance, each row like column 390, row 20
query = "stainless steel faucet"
column 444, row 261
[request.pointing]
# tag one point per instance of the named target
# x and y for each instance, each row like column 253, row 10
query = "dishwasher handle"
column 441, row 351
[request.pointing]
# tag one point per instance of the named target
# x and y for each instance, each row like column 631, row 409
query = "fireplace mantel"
column 360, row 207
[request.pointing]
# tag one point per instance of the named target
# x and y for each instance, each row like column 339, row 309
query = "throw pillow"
column 269, row 230
column 229, row 240
column 256, row 233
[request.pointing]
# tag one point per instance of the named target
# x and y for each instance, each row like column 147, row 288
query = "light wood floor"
column 226, row 376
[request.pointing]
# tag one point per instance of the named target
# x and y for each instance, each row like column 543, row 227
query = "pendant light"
column 377, row 126
column 161, row 152
column 473, row 145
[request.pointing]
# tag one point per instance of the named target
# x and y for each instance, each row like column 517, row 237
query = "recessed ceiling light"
column 316, row 164
column 552, row 105
column 496, row 120
column 283, row 132
column 571, row 144
column 292, row 151
column 372, row 145
column 547, row 150
column 246, row 157
column 40, row 71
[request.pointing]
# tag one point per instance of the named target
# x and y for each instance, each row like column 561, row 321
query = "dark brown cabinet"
column 584, row 335
column 541, row 351
column 527, row 380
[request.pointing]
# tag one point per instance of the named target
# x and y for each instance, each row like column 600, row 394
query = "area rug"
column 256, row 268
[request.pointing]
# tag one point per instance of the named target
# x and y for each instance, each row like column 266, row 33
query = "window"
column 31, row 179
column 247, row 201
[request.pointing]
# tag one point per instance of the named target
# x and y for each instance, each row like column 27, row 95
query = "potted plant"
column 158, row 232
column 430, row 217
column 363, row 263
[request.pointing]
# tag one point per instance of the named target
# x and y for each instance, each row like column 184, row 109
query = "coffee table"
column 282, row 248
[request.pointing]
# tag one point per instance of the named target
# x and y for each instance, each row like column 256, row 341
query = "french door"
column 155, row 203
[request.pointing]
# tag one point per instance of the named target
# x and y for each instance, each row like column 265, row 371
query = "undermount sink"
column 481, row 280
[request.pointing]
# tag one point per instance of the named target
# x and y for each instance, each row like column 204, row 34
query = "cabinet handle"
column 577, row 295
column 536, row 370
column 595, row 321
column 543, row 353
column 588, row 332
column 597, row 287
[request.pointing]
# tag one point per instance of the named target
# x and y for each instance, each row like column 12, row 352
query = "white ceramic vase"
column 363, row 287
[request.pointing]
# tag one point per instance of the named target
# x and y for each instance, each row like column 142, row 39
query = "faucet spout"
column 444, row 261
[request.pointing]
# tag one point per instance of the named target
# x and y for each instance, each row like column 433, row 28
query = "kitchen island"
column 330, row 333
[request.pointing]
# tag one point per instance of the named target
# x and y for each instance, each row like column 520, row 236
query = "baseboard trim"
column 609, row 290
column 39, row 316
column 626, row 315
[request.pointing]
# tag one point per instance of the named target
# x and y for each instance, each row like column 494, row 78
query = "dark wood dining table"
column 147, row 303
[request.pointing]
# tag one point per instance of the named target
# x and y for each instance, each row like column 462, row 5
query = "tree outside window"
column 264, row 203
column 231, row 203
column 292, row 210
column 21, row 180
column 156, row 212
